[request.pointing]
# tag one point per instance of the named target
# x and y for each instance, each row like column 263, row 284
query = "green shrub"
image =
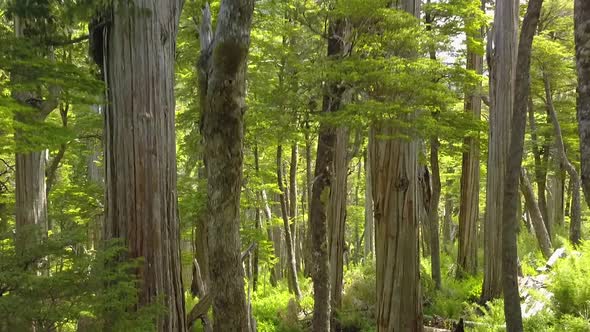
column 570, row 283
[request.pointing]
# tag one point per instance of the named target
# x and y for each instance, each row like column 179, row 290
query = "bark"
column 394, row 167
column 293, row 203
column 535, row 215
column 140, row 152
column 369, row 215
column 291, row 263
column 501, row 95
column 337, row 220
column 307, row 256
column 582, row 41
column 223, row 136
column 448, row 220
column 512, row 310
column 556, row 203
column 395, row 193
column 433, row 212
column 320, row 197
column 30, row 186
column 576, row 222
column 469, row 191
column 539, row 155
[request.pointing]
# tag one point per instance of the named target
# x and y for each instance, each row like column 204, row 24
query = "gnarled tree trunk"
column 223, row 138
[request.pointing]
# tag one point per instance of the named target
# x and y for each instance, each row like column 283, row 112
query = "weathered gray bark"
column 469, row 192
column 582, row 41
column 337, row 220
column 320, row 198
column 369, row 215
column 512, row 310
column 576, row 219
column 501, row 97
column 291, row 263
column 223, row 136
column 140, row 152
column 535, row 215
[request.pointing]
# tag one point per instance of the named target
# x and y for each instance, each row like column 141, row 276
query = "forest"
column 294, row 165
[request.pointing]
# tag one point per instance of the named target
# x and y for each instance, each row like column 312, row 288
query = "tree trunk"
column 223, row 136
column 512, row 310
column 469, row 192
column 433, row 212
column 293, row 204
column 320, row 198
column 448, row 220
column 337, row 220
column 291, row 263
column 576, row 222
column 307, row 255
column 369, row 215
column 501, row 90
column 540, row 165
column 582, row 40
column 395, row 193
column 535, row 215
column 30, row 186
column 140, row 153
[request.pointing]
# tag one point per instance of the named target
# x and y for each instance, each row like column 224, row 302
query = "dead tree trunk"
column 576, row 218
column 535, row 215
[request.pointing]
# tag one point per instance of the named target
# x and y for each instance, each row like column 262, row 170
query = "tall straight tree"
column 522, row 87
column 469, row 194
column 30, row 186
column 501, row 97
column 140, row 151
column 320, row 195
column 223, row 136
column 582, row 40
column 337, row 219
column 394, row 167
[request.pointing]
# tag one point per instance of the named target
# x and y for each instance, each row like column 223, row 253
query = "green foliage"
column 359, row 298
column 570, row 284
column 57, row 282
column 276, row 310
